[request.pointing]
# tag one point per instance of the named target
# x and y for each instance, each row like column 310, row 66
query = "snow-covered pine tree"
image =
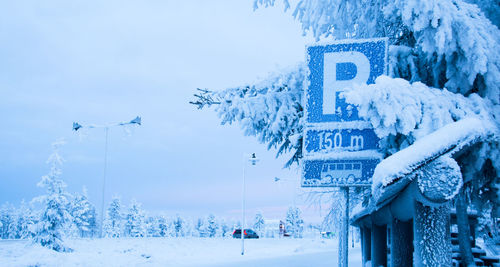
column 84, row 215
column 113, row 224
column 211, row 226
column 179, row 225
column 188, row 227
column 162, row 226
column 224, row 229
column 55, row 213
column 135, row 220
column 8, row 220
column 27, row 221
column 201, row 227
column 294, row 222
column 259, row 224
column 152, row 227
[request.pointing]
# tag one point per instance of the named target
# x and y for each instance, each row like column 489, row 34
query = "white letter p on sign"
column 342, row 69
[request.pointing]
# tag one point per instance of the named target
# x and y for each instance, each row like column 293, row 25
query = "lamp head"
column 137, row 120
column 254, row 159
column 76, row 126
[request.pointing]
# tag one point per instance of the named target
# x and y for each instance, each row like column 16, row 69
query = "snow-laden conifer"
column 259, row 224
column 55, row 213
column 294, row 222
column 212, row 226
column 113, row 225
column 135, row 220
column 179, row 226
column 84, row 215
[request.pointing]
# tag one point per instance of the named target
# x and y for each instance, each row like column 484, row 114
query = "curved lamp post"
column 77, row 126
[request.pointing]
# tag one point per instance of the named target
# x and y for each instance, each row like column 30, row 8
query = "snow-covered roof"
column 394, row 173
column 450, row 138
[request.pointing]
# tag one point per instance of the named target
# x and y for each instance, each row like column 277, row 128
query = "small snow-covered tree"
column 8, row 218
column 152, row 227
column 259, row 224
column 179, row 226
column 84, row 215
column 135, row 220
column 55, row 213
column 201, row 227
column 212, row 226
column 224, row 229
column 294, row 222
column 27, row 221
column 163, row 226
column 114, row 220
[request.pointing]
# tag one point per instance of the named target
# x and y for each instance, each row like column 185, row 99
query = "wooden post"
column 366, row 235
column 401, row 243
column 431, row 232
column 379, row 245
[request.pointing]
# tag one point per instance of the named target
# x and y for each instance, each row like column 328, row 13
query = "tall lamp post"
column 253, row 160
column 77, row 126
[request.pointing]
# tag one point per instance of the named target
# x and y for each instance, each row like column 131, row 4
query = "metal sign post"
column 340, row 149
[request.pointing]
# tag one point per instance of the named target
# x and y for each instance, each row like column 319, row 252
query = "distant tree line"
column 60, row 215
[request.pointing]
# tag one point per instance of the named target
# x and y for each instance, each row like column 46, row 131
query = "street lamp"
column 77, row 126
column 253, row 160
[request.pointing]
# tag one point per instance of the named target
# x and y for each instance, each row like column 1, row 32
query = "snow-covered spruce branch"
column 271, row 110
column 449, row 43
column 204, row 98
column 402, row 112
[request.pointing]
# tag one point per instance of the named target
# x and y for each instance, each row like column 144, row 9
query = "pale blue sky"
column 109, row 61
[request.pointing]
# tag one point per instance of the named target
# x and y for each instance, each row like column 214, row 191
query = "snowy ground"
column 183, row 252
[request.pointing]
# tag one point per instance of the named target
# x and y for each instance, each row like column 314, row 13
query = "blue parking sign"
column 340, row 149
column 334, row 67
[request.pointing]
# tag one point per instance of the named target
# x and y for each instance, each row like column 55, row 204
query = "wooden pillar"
column 379, row 245
column 366, row 243
column 401, row 243
column 431, row 235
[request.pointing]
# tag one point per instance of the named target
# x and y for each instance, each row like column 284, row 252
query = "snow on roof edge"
column 453, row 136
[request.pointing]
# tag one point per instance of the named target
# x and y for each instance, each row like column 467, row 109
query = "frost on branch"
column 271, row 110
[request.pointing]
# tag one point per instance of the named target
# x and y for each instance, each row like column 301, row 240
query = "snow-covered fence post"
column 431, row 235
column 401, row 243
